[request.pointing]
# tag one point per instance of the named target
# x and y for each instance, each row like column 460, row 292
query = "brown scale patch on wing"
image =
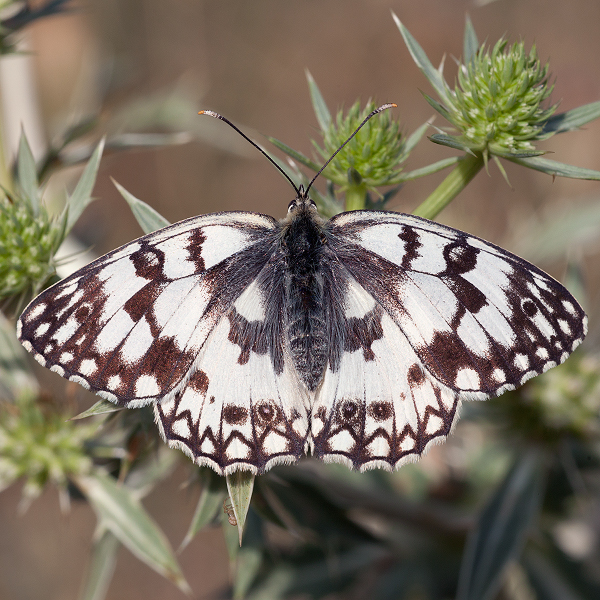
column 267, row 414
column 148, row 261
column 470, row 299
column 460, row 257
column 380, row 411
column 166, row 362
column 529, row 308
column 140, row 304
column 248, row 335
column 199, row 382
column 412, row 243
column 348, row 413
column 234, row 415
column 446, row 355
column 83, row 312
column 415, row 375
column 320, row 414
column 361, row 332
column 194, row 249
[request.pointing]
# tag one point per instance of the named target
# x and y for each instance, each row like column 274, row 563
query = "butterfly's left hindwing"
column 245, row 406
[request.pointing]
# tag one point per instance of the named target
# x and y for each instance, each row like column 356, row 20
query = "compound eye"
column 312, row 204
column 292, row 205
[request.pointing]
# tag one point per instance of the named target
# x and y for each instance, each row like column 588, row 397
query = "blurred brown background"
column 247, row 60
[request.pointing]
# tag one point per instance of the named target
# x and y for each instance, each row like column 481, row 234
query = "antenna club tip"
column 210, row 113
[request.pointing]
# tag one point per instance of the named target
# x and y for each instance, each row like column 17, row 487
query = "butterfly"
column 354, row 339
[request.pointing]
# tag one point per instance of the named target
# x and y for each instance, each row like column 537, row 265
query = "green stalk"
column 356, row 197
column 454, row 183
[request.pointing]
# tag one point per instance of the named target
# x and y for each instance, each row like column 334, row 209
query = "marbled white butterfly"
column 354, row 339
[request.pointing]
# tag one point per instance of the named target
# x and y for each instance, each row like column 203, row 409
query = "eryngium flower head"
column 373, row 155
column 41, row 447
column 497, row 102
column 27, row 243
column 563, row 402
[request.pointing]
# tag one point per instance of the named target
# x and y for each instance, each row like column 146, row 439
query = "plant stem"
column 355, row 197
column 452, row 185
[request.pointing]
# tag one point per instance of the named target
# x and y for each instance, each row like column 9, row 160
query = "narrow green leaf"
column 101, row 568
column 470, row 41
column 82, row 194
column 437, row 106
column 450, row 141
column 501, row 168
column 148, row 219
column 240, row 485
column 502, row 528
column 573, row 119
column 551, row 167
column 415, row 137
column 27, row 174
column 102, row 407
column 16, row 378
column 508, row 154
column 123, row 515
column 434, row 77
column 210, row 503
column 298, row 156
column 429, row 169
column 321, row 111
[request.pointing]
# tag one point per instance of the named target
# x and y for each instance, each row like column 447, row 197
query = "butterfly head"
column 301, row 203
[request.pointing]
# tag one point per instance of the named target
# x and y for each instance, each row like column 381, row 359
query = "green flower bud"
column 497, row 102
column 372, row 158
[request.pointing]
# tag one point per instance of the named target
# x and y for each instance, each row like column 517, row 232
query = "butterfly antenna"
column 375, row 112
column 211, row 113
